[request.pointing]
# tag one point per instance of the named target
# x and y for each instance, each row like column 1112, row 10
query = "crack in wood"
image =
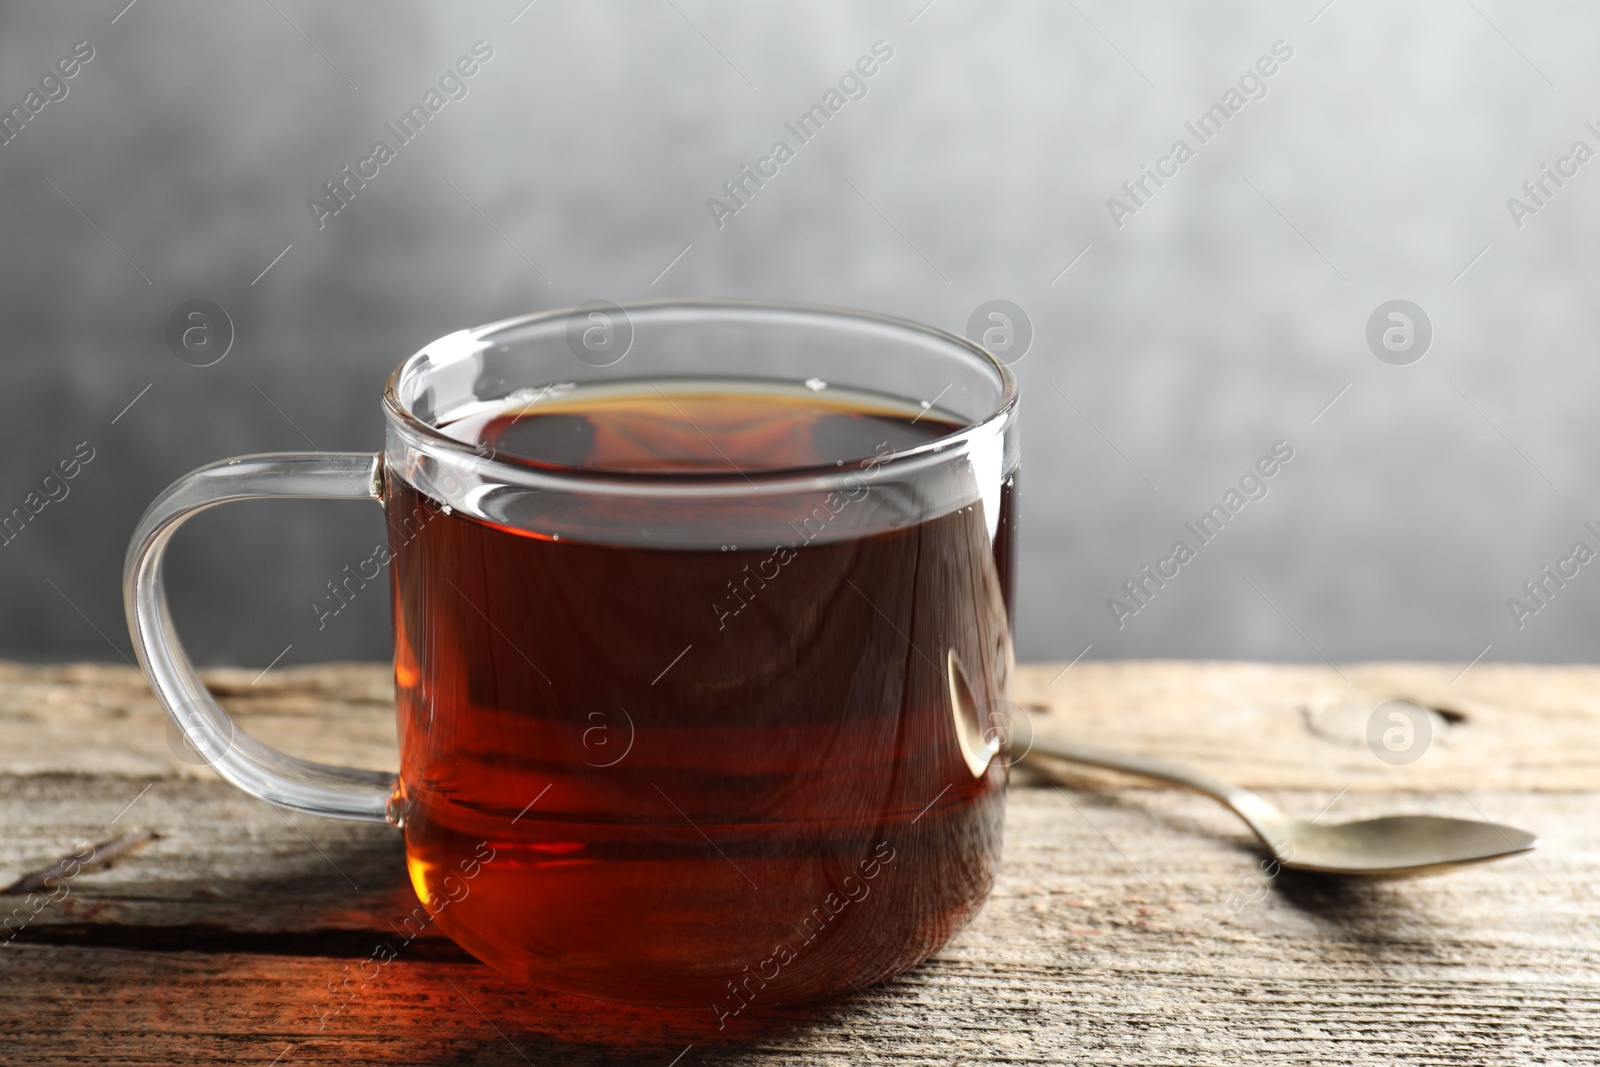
column 75, row 864
column 216, row 940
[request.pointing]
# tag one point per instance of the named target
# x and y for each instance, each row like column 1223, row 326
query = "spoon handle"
column 1128, row 763
column 1266, row 820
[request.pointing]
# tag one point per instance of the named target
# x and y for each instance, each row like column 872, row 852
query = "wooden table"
column 1129, row 925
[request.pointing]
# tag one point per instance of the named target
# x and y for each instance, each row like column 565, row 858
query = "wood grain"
column 1129, row 926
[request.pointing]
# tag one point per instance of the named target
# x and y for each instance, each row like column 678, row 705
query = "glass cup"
column 709, row 737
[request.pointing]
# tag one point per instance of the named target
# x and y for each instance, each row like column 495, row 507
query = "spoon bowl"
column 1398, row 846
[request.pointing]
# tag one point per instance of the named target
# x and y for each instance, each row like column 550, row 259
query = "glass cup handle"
column 297, row 784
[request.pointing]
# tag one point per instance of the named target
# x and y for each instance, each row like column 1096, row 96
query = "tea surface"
column 712, row 426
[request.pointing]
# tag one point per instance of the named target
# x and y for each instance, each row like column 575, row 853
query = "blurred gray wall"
column 1221, row 317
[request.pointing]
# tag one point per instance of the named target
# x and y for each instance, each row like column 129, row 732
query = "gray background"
column 1224, row 316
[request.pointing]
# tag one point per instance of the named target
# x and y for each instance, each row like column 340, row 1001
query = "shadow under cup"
column 690, row 739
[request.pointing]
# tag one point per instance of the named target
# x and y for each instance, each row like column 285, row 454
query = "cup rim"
column 944, row 447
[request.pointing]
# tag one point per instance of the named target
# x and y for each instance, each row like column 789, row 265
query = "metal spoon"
column 1392, row 846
